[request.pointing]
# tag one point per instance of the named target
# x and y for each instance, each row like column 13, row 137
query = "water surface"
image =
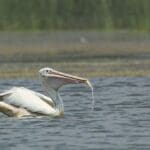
column 120, row 120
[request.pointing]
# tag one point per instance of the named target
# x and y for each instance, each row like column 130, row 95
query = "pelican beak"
column 67, row 78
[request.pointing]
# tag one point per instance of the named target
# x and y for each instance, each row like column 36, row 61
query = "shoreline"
column 107, row 68
column 88, row 54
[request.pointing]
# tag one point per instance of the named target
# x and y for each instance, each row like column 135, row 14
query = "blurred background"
column 90, row 38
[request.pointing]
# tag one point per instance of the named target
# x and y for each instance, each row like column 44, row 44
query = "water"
column 119, row 121
column 92, row 92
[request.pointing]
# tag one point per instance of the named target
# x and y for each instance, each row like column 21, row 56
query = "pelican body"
column 20, row 101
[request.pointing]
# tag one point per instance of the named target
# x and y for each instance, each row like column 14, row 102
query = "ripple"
column 120, row 119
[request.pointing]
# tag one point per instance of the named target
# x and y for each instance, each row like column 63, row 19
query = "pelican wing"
column 46, row 99
column 29, row 100
column 7, row 93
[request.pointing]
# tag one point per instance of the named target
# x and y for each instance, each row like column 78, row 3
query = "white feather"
column 30, row 100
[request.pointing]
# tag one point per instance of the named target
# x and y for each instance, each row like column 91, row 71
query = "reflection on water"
column 120, row 120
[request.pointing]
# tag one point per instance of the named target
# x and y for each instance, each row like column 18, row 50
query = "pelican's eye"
column 50, row 71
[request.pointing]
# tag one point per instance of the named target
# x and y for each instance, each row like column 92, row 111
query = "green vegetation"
column 36, row 15
column 99, row 54
column 106, row 68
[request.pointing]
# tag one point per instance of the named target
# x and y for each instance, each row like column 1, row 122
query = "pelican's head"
column 56, row 79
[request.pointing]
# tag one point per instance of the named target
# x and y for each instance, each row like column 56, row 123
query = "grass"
column 106, row 68
column 88, row 54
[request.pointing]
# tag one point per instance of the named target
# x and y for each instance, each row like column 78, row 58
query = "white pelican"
column 20, row 101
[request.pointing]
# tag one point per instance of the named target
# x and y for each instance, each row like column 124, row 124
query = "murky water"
column 120, row 120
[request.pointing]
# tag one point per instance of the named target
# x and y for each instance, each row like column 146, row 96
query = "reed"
column 37, row 15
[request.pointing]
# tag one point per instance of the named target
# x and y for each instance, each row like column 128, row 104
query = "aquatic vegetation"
column 104, row 54
column 109, row 68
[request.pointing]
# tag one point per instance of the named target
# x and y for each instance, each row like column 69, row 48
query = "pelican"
column 20, row 101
